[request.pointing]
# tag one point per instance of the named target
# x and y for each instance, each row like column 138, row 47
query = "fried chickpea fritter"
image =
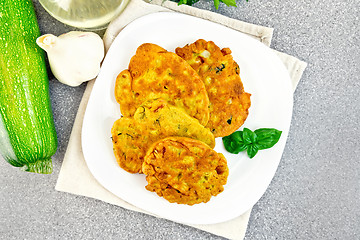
column 154, row 120
column 184, row 170
column 154, row 73
column 229, row 103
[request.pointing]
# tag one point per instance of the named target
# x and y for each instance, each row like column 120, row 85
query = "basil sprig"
column 216, row 2
column 251, row 141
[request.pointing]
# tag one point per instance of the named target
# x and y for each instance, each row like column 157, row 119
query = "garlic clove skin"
column 74, row 57
column 46, row 41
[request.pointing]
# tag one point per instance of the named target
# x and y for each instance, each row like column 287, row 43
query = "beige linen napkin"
column 75, row 177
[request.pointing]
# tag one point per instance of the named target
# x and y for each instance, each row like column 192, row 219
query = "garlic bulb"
column 74, row 57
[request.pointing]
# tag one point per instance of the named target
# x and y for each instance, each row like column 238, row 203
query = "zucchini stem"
column 43, row 166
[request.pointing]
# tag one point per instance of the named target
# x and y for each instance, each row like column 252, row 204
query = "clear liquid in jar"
column 85, row 14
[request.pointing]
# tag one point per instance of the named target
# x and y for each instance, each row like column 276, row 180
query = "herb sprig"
column 216, row 2
column 251, row 141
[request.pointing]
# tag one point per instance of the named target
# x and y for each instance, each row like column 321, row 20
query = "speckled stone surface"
column 315, row 193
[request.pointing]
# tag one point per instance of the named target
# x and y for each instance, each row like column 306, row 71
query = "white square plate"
column 263, row 75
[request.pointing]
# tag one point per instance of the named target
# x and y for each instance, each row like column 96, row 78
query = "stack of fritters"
column 229, row 103
column 173, row 106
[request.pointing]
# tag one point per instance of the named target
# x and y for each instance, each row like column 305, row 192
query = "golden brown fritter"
column 229, row 103
column 156, row 73
column 184, row 170
column 152, row 121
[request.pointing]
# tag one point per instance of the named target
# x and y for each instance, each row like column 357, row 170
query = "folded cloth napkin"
column 75, row 177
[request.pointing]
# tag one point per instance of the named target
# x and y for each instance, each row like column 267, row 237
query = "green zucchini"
column 27, row 133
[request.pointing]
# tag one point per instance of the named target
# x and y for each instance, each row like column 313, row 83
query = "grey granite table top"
column 315, row 193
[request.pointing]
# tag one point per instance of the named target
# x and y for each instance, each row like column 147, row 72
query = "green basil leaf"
column 249, row 136
column 267, row 137
column 187, row 2
column 237, row 136
column 182, row 2
column 229, row 2
column 235, row 148
column 216, row 3
column 234, row 143
column 252, row 150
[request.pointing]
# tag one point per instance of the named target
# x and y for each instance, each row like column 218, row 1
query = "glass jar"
column 84, row 14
